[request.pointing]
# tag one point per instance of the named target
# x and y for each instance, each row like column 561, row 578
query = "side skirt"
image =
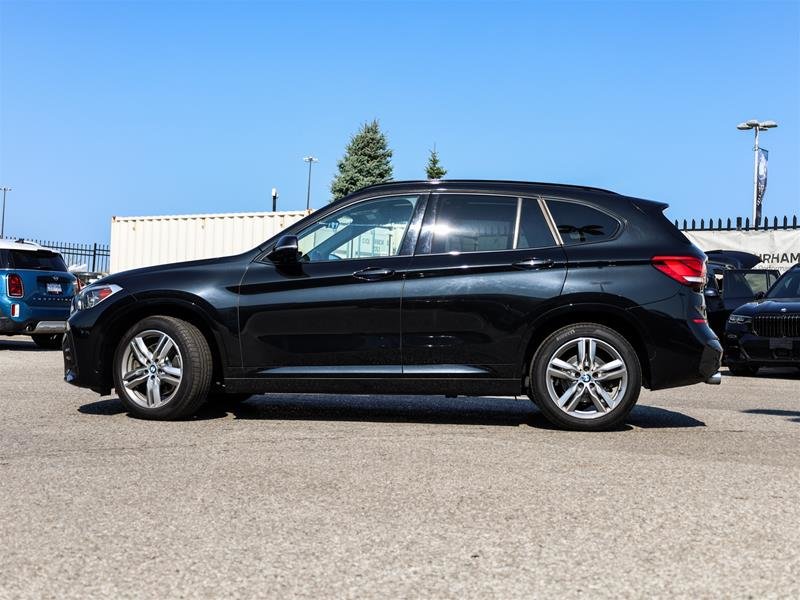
column 384, row 386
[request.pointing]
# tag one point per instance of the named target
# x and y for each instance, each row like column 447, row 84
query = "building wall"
column 146, row 241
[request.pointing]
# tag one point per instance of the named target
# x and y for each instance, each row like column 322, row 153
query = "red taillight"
column 687, row 270
column 104, row 293
column 14, row 286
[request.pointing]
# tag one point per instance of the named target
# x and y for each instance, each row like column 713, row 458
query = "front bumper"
column 744, row 347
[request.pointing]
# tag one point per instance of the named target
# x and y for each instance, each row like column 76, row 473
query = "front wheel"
column 586, row 377
column 162, row 369
column 48, row 341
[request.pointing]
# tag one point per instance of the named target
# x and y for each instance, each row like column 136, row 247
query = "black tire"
column 560, row 341
column 744, row 370
column 196, row 370
column 48, row 341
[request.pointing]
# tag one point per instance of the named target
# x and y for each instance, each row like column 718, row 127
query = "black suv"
column 574, row 296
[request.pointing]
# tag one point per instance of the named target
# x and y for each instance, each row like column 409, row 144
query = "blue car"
column 36, row 290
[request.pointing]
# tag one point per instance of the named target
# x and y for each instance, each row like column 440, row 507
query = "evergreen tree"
column 434, row 169
column 366, row 161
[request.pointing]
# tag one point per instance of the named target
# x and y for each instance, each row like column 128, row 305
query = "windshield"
column 38, row 260
column 787, row 286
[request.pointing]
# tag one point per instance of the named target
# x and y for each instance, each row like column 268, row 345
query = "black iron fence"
column 737, row 224
column 95, row 256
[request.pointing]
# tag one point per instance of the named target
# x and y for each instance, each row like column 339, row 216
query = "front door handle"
column 535, row 263
column 373, row 274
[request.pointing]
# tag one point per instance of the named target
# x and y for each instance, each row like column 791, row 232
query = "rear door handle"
column 373, row 274
column 535, row 263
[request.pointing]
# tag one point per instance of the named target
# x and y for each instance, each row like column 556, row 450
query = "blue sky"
column 142, row 108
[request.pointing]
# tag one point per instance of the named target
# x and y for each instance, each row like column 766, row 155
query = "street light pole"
column 310, row 160
column 3, row 217
column 756, row 126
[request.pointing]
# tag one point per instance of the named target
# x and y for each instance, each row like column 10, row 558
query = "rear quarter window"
column 581, row 224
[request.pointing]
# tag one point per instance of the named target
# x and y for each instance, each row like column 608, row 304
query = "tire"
column 48, row 342
column 583, row 390
column 162, row 369
column 744, row 370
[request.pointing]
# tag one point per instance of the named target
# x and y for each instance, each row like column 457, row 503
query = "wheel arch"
column 611, row 316
column 168, row 307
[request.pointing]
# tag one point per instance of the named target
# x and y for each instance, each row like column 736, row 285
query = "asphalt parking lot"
column 354, row 497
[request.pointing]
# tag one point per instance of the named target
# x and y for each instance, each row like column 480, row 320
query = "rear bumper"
column 694, row 355
column 31, row 327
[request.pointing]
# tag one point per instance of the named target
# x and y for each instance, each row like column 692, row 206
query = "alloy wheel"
column 151, row 368
column 586, row 378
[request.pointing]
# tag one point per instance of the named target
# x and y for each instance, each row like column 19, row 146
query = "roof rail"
column 485, row 181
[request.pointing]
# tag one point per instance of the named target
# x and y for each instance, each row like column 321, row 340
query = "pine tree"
column 434, row 170
column 366, row 161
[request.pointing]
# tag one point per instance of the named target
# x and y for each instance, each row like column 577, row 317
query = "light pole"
column 310, row 160
column 3, row 217
column 756, row 126
column 274, row 199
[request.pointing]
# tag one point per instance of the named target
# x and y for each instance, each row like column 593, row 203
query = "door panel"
column 472, row 311
column 334, row 312
column 321, row 315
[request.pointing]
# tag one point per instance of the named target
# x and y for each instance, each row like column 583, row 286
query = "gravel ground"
column 398, row 497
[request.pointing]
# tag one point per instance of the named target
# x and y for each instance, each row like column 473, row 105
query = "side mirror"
column 710, row 293
column 285, row 251
column 759, row 295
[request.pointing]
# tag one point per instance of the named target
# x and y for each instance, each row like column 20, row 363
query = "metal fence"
column 94, row 256
column 738, row 224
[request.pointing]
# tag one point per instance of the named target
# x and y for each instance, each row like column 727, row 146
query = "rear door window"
column 485, row 223
column 580, row 224
column 37, row 260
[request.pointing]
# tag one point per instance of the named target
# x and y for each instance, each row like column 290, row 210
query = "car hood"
column 735, row 258
column 171, row 267
column 769, row 305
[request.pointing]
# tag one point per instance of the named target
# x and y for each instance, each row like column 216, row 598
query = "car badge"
column 784, row 309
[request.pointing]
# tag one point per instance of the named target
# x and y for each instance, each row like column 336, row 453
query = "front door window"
column 374, row 228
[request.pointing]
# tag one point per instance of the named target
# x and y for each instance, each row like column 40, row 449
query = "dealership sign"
column 778, row 248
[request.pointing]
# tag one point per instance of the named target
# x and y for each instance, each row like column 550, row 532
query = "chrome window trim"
column 516, row 224
column 551, row 222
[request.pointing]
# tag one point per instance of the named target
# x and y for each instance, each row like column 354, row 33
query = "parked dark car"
column 731, row 282
column 575, row 296
column 766, row 333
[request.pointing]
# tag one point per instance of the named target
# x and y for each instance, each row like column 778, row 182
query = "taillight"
column 14, row 286
column 687, row 270
column 79, row 285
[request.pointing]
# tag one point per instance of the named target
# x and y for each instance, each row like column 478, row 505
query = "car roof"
column 497, row 186
column 6, row 244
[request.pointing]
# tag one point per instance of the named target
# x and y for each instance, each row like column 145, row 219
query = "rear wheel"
column 743, row 370
column 48, row 342
column 162, row 369
column 586, row 377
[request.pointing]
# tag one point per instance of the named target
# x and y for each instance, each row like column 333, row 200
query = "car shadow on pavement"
column 20, row 345
column 392, row 409
column 791, row 415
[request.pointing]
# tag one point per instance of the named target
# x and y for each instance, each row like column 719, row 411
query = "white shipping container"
column 146, row 241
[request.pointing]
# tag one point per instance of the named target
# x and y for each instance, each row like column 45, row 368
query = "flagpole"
column 757, row 126
column 755, row 178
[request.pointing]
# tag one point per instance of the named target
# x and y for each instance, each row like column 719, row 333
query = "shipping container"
column 146, row 241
